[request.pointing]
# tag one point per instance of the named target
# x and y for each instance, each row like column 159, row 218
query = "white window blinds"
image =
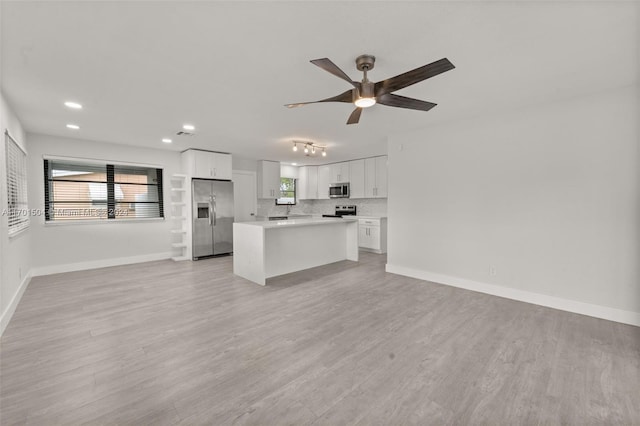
column 79, row 190
column 17, row 207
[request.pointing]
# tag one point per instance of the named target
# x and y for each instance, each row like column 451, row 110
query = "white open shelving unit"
column 179, row 217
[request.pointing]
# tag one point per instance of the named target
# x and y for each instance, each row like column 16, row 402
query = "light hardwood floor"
column 190, row 343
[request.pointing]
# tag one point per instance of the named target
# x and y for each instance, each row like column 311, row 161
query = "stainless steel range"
column 342, row 211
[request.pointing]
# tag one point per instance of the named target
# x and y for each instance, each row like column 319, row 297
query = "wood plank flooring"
column 190, row 343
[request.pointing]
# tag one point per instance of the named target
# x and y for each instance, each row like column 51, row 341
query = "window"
column 17, row 207
column 75, row 190
column 287, row 191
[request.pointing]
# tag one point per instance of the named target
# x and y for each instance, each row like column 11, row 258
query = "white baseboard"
column 597, row 311
column 94, row 264
column 8, row 313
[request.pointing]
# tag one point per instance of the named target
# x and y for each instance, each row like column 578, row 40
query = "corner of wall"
column 15, row 252
column 7, row 314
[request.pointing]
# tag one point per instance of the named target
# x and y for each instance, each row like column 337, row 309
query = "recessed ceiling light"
column 294, row 164
column 188, row 127
column 73, row 105
column 166, row 140
column 73, row 126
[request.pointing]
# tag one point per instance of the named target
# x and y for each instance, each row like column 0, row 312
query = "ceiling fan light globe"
column 365, row 102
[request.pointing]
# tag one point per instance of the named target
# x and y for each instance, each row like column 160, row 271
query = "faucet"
column 288, row 209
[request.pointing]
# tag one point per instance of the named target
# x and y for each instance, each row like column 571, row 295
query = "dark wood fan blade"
column 389, row 99
column 342, row 97
column 412, row 77
column 355, row 116
column 327, row 65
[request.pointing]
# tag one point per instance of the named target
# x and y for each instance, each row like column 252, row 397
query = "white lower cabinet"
column 372, row 234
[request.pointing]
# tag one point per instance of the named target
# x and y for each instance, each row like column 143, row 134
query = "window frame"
column 111, row 201
column 295, row 192
column 17, row 197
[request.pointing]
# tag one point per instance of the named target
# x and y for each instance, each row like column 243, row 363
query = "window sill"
column 101, row 221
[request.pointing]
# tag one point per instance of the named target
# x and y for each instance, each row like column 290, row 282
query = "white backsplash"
column 364, row 206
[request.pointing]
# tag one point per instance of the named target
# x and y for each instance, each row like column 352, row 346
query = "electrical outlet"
column 492, row 271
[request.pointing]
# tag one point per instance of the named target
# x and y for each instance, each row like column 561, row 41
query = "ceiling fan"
column 367, row 93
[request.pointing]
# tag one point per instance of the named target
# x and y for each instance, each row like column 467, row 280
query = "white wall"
column 68, row 247
column 15, row 260
column 288, row 171
column 239, row 163
column 549, row 197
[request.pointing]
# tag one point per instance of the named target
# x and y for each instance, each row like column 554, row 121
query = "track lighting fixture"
column 310, row 148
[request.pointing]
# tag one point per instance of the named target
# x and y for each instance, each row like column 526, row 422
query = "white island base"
column 264, row 250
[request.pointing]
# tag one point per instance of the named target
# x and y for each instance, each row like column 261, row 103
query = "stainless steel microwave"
column 339, row 190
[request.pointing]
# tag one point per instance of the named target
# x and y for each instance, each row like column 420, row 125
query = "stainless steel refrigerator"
column 212, row 217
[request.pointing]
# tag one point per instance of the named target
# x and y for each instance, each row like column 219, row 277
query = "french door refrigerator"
column 212, row 217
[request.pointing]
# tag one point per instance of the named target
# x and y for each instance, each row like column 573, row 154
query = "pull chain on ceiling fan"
column 367, row 93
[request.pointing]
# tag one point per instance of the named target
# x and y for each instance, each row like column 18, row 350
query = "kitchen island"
column 264, row 250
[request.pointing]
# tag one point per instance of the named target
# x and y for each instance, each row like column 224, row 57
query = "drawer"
column 369, row 222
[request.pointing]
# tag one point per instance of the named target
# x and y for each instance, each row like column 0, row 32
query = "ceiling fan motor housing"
column 367, row 89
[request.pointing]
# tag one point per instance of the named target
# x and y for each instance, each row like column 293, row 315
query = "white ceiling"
column 142, row 69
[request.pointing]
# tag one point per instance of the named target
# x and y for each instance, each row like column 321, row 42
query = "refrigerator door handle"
column 210, row 212
column 214, row 211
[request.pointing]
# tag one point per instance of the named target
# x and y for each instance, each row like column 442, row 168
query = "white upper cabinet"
column 356, row 171
column 375, row 177
column 339, row 172
column 307, row 186
column 268, row 179
column 301, row 184
column 207, row 164
column 222, row 166
column 324, row 179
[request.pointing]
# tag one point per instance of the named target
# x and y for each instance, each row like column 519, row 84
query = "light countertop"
column 298, row 222
column 369, row 217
